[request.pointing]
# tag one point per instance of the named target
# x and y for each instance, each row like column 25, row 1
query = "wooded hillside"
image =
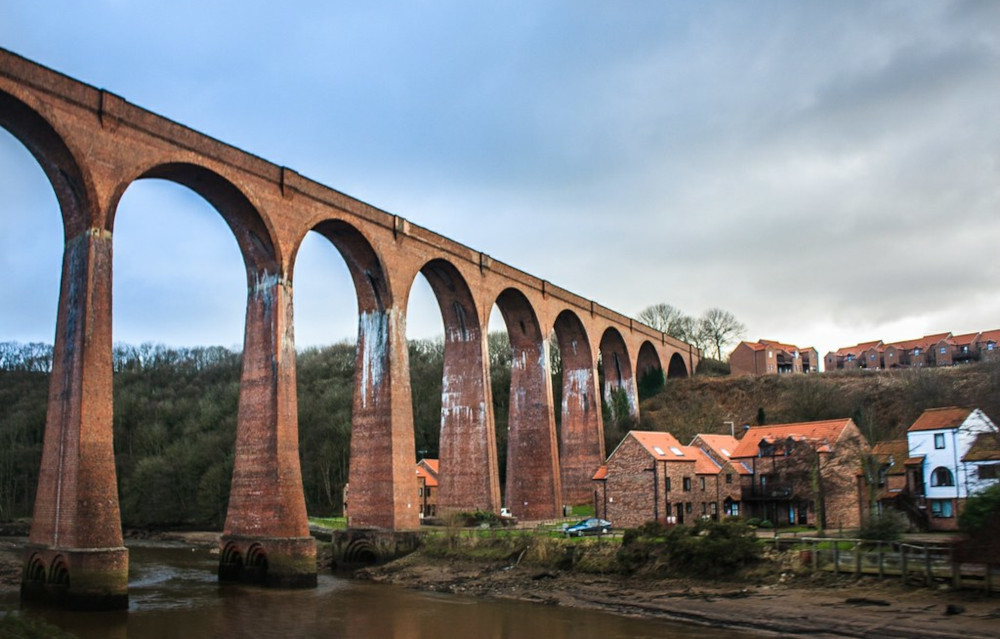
column 175, row 417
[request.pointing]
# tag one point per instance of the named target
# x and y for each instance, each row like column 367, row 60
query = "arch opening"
column 581, row 428
column 677, row 367
column 620, row 408
column 651, row 377
column 467, row 447
column 533, row 481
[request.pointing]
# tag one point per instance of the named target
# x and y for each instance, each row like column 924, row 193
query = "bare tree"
column 718, row 329
column 670, row 320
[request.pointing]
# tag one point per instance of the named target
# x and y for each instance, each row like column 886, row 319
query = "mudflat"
column 794, row 606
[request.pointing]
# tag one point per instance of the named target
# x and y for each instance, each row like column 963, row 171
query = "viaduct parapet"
column 92, row 145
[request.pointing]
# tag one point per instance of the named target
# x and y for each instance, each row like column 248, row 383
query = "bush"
column 711, row 548
column 980, row 509
column 886, row 526
column 706, row 549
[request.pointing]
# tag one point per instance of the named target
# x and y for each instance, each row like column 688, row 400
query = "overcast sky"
column 828, row 172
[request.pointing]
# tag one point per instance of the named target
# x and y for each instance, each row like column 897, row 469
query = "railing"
column 908, row 561
column 769, row 491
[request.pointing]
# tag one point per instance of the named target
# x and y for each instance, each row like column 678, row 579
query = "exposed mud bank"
column 793, row 606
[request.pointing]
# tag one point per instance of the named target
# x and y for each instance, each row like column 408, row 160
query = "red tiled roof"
column 940, row 418
column 986, row 447
column 859, row 348
column 754, row 346
column 703, row 464
column 602, row 473
column 990, row 336
column 915, row 461
column 723, row 445
column 822, row 432
column 893, row 452
column 964, row 340
column 665, row 442
column 429, row 479
column 432, row 464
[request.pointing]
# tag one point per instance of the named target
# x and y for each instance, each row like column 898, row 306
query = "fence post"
column 836, row 556
column 815, row 557
column 902, row 562
column 956, row 569
column 928, row 571
column 857, row 558
column 881, row 562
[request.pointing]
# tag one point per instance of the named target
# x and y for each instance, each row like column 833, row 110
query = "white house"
column 955, row 452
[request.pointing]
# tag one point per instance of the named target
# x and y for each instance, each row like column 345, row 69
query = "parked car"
column 591, row 526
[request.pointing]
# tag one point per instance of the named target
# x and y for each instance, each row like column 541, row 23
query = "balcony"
column 771, row 491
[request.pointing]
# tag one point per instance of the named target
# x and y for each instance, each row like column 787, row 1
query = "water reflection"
column 174, row 593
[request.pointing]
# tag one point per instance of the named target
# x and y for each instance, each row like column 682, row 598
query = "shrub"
column 706, row 549
column 711, row 548
column 886, row 526
column 980, row 509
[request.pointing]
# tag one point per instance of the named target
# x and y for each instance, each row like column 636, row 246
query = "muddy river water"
column 174, row 593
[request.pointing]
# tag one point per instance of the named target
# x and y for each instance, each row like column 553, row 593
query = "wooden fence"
column 907, row 561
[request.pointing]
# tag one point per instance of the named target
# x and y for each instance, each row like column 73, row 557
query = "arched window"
column 942, row 477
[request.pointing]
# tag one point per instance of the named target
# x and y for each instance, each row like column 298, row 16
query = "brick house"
column 803, row 473
column 867, row 355
column 939, row 349
column 427, row 483
column 651, row 476
column 953, row 453
column 889, row 485
column 767, row 357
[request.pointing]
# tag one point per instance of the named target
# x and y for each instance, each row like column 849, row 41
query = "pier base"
column 76, row 578
column 275, row 562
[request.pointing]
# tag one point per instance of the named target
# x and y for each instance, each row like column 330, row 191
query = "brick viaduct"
column 92, row 145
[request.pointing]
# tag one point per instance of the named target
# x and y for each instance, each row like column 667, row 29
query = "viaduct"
column 92, row 145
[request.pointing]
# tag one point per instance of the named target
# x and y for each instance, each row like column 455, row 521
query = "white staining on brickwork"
column 373, row 334
column 577, row 386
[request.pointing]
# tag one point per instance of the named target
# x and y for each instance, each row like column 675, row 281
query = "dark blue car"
column 592, row 526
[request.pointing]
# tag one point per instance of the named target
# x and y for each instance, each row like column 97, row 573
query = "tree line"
column 175, row 423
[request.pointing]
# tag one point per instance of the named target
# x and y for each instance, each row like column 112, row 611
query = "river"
column 174, row 594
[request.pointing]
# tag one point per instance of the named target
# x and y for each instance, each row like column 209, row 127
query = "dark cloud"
column 827, row 172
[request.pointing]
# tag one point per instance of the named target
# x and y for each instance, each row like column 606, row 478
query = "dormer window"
column 677, row 451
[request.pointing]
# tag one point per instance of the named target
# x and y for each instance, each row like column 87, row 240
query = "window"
column 941, row 508
column 942, row 477
column 916, row 352
column 687, row 483
column 988, row 471
column 704, row 509
column 701, row 483
column 729, row 478
column 420, row 492
column 942, row 350
column 666, row 483
column 687, row 507
column 883, row 474
column 939, row 441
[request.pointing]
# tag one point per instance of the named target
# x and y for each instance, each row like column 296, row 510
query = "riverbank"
column 781, row 602
column 786, row 604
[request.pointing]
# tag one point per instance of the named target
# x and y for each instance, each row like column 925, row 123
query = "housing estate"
column 940, row 349
column 767, row 357
column 803, row 473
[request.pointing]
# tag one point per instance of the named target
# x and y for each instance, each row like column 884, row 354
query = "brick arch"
column 581, row 431
column 250, row 228
column 677, row 367
column 649, row 370
column 73, row 188
column 617, row 366
column 534, row 488
column 469, row 478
